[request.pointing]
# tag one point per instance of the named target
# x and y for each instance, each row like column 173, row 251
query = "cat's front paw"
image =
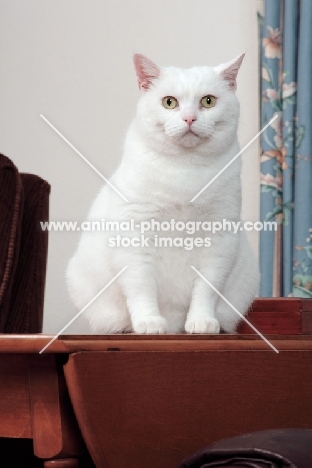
column 150, row 325
column 202, row 325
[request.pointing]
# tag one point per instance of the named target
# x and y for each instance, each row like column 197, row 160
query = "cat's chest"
column 178, row 213
column 188, row 214
column 178, row 187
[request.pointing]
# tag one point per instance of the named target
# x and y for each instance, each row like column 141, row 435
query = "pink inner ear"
column 229, row 70
column 146, row 71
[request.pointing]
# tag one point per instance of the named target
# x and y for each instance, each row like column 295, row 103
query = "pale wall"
column 72, row 61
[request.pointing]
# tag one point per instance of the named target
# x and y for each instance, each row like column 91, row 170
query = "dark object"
column 24, row 202
column 277, row 448
column 19, row 452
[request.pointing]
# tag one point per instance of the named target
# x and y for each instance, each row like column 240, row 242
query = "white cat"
column 184, row 133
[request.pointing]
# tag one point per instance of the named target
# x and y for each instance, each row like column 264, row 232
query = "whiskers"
column 176, row 129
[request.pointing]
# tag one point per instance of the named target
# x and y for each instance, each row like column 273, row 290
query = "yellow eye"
column 208, row 101
column 169, row 102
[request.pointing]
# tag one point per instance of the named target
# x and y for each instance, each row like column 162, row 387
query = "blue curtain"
column 286, row 148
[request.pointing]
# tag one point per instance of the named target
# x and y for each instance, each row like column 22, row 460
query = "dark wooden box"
column 283, row 316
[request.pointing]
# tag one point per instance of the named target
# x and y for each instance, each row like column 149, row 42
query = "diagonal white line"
column 235, row 157
column 83, row 157
column 235, row 310
column 82, row 310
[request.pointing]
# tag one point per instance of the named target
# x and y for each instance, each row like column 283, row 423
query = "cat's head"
column 188, row 108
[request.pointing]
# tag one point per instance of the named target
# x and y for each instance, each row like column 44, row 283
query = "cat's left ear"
column 146, row 71
column 229, row 70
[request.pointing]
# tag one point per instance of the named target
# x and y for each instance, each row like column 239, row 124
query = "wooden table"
column 150, row 401
column 34, row 401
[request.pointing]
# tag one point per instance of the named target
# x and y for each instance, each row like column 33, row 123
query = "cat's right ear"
column 146, row 71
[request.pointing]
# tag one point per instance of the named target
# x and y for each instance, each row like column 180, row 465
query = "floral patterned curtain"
column 286, row 147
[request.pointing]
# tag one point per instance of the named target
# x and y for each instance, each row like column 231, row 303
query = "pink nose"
column 190, row 119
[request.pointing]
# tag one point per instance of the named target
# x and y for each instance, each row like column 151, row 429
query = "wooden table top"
column 129, row 342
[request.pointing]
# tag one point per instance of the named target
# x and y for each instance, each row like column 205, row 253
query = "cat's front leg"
column 201, row 317
column 139, row 286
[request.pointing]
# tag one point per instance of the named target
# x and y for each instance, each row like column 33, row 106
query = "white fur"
column 162, row 169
